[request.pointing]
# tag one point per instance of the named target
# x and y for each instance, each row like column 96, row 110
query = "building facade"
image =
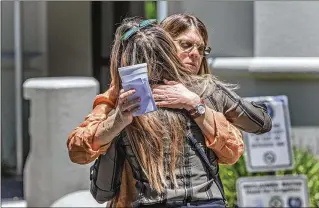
column 74, row 39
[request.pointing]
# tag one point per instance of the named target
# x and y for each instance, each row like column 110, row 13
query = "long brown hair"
column 177, row 24
column 153, row 132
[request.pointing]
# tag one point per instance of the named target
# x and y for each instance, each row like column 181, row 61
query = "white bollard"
column 78, row 199
column 57, row 106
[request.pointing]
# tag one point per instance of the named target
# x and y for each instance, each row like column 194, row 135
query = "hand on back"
column 174, row 95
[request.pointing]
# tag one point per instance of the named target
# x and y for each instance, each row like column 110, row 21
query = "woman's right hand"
column 125, row 108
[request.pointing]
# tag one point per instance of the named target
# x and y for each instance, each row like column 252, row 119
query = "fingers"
column 131, row 105
column 168, row 87
column 158, row 91
column 161, row 87
column 131, row 108
column 135, row 109
column 124, row 95
column 124, row 105
column 162, row 104
column 170, row 82
column 126, row 110
column 165, row 86
column 160, row 97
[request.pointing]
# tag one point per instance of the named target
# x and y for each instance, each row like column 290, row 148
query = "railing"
column 293, row 65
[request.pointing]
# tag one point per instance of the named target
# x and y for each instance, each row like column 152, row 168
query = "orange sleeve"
column 80, row 140
column 228, row 143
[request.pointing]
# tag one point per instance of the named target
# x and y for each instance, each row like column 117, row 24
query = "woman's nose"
column 194, row 52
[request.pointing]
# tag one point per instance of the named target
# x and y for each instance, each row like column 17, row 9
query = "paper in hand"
column 135, row 76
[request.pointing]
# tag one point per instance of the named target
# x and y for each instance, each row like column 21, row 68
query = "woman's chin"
column 192, row 68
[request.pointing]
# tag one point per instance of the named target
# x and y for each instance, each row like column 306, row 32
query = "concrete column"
column 286, row 28
column 57, row 106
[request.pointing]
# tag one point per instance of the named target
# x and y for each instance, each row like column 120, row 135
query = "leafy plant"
column 305, row 163
column 150, row 9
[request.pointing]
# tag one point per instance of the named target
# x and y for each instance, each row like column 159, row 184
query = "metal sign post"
column 272, row 191
column 161, row 10
column 18, row 84
column 273, row 150
column 267, row 153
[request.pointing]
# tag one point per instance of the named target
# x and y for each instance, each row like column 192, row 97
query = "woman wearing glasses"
column 190, row 38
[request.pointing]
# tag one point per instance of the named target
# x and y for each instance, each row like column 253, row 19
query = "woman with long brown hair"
column 187, row 32
column 167, row 170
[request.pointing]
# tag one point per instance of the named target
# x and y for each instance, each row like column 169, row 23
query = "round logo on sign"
column 270, row 109
column 276, row 201
column 294, row 202
column 269, row 157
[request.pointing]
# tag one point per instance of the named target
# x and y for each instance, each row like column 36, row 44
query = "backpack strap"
column 202, row 155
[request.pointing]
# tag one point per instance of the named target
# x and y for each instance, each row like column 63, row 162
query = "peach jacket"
column 228, row 144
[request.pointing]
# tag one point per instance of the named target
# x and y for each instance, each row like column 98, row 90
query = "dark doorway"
column 106, row 16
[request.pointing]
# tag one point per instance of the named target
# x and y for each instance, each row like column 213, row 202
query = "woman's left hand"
column 174, row 95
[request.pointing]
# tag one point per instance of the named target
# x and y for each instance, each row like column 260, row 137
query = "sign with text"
column 272, row 191
column 273, row 150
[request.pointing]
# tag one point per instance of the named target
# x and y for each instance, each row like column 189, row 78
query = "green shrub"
column 305, row 163
column 150, row 8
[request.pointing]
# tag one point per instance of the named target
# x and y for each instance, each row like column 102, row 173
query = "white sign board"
column 273, row 150
column 272, row 191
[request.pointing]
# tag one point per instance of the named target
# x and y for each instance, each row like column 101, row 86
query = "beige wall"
column 69, row 38
column 229, row 24
column 60, row 34
column 287, row 28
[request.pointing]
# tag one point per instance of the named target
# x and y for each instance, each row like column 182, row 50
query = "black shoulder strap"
column 200, row 150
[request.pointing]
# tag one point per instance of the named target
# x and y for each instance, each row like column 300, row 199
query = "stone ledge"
column 270, row 67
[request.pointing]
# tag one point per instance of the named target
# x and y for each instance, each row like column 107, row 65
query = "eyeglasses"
column 188, row 46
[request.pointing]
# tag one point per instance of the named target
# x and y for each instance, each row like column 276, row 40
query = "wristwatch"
column 197, row 111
